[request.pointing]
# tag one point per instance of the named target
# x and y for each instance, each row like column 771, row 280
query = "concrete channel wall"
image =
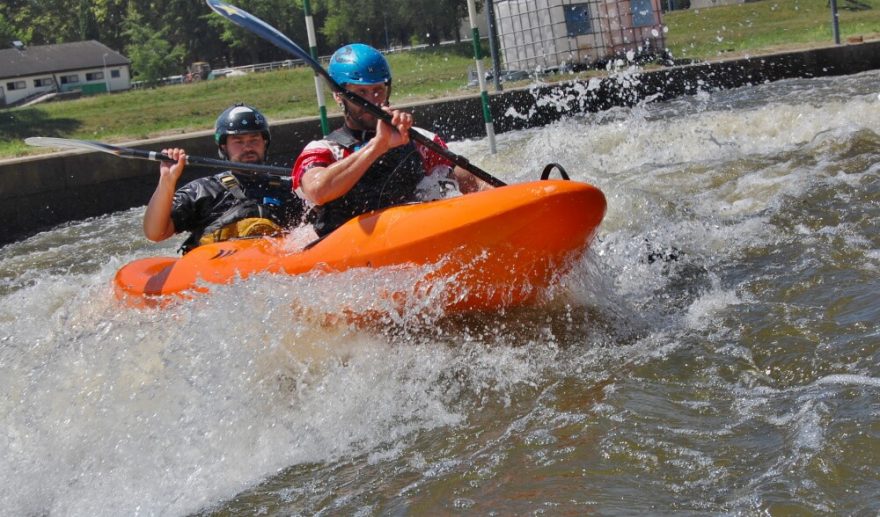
column 37, row 193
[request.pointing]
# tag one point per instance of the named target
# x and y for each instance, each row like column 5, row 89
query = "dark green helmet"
column 239, row 120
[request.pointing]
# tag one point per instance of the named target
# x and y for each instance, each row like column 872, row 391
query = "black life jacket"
column 227, row 198
column 391, row 180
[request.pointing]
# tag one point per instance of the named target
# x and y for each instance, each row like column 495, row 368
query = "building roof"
column 63, row 57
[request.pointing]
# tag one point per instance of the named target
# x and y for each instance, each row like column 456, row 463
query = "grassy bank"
column 280, row 94
column 750, row 28
column 765, row 26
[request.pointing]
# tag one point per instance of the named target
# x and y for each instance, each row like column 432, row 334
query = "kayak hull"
column 500, row 247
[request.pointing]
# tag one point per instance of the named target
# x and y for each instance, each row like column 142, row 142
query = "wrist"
column 377, row 147
column 167, row 182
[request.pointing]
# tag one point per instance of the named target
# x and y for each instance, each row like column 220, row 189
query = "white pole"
column 484, row 95
column 313, row 50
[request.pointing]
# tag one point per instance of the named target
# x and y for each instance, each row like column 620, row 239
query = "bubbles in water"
column 679, row 343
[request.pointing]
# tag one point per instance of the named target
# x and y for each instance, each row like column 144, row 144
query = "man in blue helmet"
column 367, row 164
column 227, row 205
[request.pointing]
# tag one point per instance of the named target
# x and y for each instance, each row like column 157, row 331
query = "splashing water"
column 716, row 350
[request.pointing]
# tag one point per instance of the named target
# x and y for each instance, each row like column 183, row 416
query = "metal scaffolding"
column 540, row 35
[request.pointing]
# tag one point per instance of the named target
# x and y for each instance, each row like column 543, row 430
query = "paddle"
column 273, row 35
column 128, row 152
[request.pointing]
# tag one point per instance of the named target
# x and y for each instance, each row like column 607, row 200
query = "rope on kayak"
column 549, row 168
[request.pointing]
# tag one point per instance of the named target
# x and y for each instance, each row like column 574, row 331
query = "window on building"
column 67, row 79
column 577, row 19
column 94, row 76
column 42, row 82
column 643, row 13
column 16, row 85
column 114, row 74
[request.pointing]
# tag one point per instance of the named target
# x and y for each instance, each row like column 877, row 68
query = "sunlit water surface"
column 716, row 351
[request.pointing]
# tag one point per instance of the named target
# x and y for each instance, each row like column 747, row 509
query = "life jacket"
column 248, row 227
column 246, row 217
column 391, row 180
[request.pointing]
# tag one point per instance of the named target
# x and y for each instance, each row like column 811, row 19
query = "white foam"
column 109, row 411
column 849, row 379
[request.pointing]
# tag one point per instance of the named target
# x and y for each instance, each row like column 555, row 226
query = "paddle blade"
column 65, row 143
column 250, row 22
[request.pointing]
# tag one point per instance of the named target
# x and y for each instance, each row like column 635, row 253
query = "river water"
column 716, row 352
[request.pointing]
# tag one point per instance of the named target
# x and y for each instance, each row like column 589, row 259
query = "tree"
column 245, row 47
column 87, row 27
column 403, row 21
column 152, row 56
column 110, row 16
column 170, row 33
column 8, row 34
column 41, row 22
column 433, row 21
column 187, row 23
column 350, row 21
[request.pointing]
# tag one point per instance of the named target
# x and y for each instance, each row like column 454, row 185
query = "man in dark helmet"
column 227, row 205
column 368, row 164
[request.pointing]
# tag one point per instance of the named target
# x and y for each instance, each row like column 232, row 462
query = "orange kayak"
column 502, row 247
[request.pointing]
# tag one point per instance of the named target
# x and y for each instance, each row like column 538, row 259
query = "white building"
column 548, row 34
column 88, row 66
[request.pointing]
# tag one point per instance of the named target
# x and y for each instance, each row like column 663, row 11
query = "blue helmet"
column 359, row 64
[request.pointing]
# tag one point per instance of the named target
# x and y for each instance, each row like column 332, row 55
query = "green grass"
column 280, row 94
column 764, row 26
column 750, row 28
column 139, row 114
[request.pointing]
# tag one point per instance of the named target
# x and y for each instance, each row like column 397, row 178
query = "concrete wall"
column 37, row 193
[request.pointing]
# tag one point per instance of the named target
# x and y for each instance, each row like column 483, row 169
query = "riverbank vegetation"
column 754, row 28
column 281, row 94
column 698, row 34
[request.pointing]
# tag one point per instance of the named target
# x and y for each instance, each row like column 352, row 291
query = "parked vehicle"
column 199, row 70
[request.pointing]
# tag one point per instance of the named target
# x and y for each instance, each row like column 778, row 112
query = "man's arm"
column 158, row 225
column 467, row 182
column 320, row 185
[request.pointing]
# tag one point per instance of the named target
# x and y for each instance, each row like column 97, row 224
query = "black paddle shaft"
column 128, row 152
